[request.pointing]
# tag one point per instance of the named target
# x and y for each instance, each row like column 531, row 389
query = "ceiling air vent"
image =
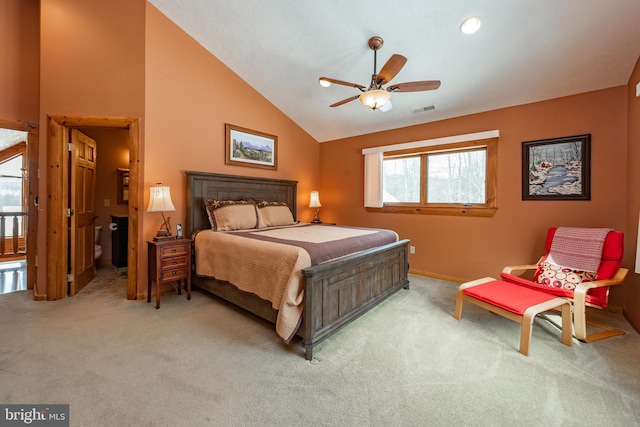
column 423, row 109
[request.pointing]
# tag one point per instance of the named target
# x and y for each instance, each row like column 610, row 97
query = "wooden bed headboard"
column 202, row 185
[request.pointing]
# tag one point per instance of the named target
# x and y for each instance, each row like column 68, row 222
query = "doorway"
column 18, row 227
column 58, row 191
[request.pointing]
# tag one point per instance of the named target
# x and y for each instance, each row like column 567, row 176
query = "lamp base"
column 316, row 216
column 163, row 237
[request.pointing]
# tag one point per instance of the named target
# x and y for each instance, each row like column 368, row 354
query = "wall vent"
column 423, row 109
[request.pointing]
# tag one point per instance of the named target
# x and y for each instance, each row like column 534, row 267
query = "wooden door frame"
column 57, row 191
column 31, row 230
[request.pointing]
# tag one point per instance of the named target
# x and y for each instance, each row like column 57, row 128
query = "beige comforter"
column 271, row 270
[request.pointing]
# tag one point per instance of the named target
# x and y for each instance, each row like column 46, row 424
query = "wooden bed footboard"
column 339, row 292
column 336, row 292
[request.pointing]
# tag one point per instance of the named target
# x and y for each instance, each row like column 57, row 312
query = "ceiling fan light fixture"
column 375, row 98
column 470, row 25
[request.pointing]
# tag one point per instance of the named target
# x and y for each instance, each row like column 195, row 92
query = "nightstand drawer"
column 179, row 261
column 173, row 250
column 174, row 274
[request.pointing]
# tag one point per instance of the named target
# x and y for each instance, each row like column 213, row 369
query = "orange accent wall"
column 19, row 73
column 632, row 284
column 189, row 97
column 467, row 247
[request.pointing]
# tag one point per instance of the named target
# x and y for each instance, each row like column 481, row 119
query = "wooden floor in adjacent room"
column 13, row 276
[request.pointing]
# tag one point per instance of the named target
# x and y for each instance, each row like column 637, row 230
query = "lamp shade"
column 160, row 199
column 375, row 99
column 314, row 200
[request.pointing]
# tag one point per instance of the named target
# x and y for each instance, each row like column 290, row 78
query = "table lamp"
column 314, row 202
column 160, row 201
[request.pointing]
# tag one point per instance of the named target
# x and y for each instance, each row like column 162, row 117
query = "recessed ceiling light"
column 470, row 25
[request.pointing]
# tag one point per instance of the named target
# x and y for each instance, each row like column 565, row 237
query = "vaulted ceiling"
column 525, row 51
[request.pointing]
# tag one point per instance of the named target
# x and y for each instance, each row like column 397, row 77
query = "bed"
column 336, row 292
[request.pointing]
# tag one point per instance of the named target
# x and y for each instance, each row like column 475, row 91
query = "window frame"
column 486, row 209
column 6, row 155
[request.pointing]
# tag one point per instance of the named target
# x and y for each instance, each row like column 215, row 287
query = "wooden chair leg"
column 525, row 334
column 580, row 324
column 580, row 321
column 567, row 336
column 457, row 313
column 606, row 332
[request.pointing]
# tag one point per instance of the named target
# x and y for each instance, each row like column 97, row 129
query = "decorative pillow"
column 273, row 214
column 556, row 276
column 226, row 215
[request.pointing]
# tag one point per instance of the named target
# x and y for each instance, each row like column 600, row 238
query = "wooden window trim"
column 487, row 209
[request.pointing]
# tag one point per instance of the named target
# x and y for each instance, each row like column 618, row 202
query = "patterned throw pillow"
column 556, row 276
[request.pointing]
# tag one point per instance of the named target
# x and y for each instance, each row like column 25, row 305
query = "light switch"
column 107, row 202
column 638, row 89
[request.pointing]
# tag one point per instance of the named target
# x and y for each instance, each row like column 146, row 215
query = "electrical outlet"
column 412, row 249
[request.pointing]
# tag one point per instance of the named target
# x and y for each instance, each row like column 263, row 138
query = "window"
column 401, row 180
column 453, row 178
column 12, row 187
column 457, row 177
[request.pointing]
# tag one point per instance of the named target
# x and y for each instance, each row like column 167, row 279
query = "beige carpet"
column 408, row 362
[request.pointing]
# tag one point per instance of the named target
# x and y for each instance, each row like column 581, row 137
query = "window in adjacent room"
column 11, row 191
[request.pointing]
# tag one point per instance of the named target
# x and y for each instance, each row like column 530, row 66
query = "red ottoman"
column 516, row 302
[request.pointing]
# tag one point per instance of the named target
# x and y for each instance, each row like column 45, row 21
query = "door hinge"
column 70, row 278
column 69, row 213
column 69, row 146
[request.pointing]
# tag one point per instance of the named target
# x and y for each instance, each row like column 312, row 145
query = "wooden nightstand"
column 169, row 262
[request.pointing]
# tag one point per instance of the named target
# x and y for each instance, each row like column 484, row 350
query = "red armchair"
column 587, row 293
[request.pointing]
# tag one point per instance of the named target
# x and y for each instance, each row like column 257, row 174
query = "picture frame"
column 557, row 168
column 250, row 148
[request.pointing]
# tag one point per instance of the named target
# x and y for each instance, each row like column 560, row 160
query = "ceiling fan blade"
column 340, row 82
column 391, row 68
column 415, row 86
column 344, row 101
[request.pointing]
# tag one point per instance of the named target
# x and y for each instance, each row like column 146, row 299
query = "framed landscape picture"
column 246, row 147
column 557, row 168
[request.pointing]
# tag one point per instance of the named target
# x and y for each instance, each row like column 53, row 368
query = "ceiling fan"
column 375, row 96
